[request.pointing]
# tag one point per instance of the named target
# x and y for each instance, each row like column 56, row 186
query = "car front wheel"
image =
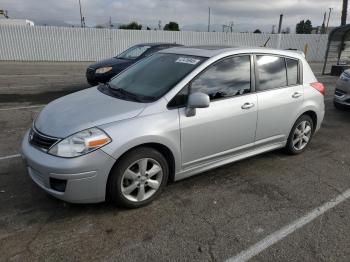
column 300, row 135
column 138, row 178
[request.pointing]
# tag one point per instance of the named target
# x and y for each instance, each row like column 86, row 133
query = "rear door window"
column 272, row 72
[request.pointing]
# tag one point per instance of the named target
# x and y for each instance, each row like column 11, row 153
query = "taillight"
column 319, row 87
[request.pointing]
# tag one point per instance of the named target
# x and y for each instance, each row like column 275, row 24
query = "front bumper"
column 342, row 92
column 86, row 176
column 343, row 99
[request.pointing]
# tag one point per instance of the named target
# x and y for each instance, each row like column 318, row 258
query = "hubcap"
column 301, row 136
column 141, row 179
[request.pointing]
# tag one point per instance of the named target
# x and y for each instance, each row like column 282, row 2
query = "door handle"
column 296, row 95
column 247, row 105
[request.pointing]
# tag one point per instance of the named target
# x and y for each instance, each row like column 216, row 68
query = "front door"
column 229, row 124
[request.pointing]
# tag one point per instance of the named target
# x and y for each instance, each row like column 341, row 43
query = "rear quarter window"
column 292, row 71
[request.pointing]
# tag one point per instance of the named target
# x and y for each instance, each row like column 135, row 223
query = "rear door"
column 280, row 96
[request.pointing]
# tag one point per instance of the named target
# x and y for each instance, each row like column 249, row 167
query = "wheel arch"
column 313, row 116
column 163, row 149
column 311, row 111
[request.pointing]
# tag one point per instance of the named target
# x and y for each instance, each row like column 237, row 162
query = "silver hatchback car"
column 174, row 114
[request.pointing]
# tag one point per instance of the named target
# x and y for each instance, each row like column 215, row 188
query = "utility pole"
column 323, row 26
column 273, row 29
column 329, row 16
column 344, row 12
column 280, row 24
column 209, row 19
column 110, row 36
column 231, row 27
column 82, row 20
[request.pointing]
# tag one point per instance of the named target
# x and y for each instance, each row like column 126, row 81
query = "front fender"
column 162, row 128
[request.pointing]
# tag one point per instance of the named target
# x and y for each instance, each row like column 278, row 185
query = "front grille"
column 40, row 140
column 339, row 92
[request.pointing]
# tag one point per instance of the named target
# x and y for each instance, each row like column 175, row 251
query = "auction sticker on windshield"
column 187, row 60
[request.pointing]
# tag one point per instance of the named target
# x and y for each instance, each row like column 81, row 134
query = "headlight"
column 81, row 143
column 103, row 70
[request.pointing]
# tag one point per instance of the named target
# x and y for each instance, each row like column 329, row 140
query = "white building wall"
column 39, row 43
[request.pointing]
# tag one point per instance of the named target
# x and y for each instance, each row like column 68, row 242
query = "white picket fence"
column 39, row 43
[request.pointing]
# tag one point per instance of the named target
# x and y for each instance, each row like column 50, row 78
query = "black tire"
column 114, row 184
column 290, row 149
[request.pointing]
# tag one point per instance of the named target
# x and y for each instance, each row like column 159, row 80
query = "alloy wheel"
column 141, row 179
column 302, row 135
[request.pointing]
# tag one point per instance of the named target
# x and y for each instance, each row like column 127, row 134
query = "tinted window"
column 155, row 75
column 272, row 72
column 292, row 71
column 133, row 52
column 229, row 77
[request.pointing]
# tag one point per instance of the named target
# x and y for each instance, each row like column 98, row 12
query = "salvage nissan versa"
column 173, row 114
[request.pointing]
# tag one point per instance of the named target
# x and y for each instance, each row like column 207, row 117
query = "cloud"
column 148, row 12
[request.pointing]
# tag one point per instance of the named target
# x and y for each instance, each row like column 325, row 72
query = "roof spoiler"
column 296, row 51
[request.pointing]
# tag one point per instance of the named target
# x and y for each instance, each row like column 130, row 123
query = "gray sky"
column 249, row 14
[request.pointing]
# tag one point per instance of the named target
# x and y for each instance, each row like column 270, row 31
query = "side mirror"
column 196, row 100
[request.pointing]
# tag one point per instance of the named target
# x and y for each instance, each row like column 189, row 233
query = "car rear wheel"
column 300, row 135
column 138, row 178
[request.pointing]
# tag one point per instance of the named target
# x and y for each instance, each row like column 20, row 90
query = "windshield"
column 133, row 52
column 151, row 78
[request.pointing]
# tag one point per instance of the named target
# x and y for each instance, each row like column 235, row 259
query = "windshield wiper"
column 128, row 94
column 122, row 93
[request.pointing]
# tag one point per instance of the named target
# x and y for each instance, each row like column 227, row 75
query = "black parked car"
column 104, row 70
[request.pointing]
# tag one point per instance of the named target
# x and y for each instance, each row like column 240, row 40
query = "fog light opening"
column 58, row 184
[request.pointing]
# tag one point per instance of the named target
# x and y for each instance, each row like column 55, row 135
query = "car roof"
column 158, row 44
column 211, row 51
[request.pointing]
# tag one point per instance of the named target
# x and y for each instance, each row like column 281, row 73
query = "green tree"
column 132, row 26
column 304, row 27
column 257, row 31
column 172, row 26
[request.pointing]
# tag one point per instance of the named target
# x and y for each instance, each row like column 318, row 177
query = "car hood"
column 110, row 62
column 84, row 109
